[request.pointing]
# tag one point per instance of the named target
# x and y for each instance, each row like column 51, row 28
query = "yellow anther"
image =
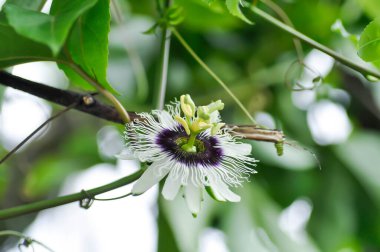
column 183, row 123
column 199, row 125
column 187, row 105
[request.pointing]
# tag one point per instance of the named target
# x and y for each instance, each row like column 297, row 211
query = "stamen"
column 195, row 125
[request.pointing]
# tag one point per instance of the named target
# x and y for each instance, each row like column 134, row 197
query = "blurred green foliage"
column 343, row 196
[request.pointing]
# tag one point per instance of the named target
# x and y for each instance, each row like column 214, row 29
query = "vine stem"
column 118, row 106
column 164, row 62
column 212, row 73
column 21, row 235
column 45, row 204
column 345, row 61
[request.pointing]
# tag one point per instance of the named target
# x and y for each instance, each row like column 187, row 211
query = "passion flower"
column 186, row 144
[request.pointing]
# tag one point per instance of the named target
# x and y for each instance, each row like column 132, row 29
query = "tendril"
column 9, row 154
column 26, row 240
column 298, row 86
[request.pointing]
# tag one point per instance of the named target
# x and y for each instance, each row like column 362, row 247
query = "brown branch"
column 109, row 113
column 62, row 97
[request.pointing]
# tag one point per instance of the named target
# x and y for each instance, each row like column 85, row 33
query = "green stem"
column 345, row 61
column 118, row 106
column 114, row 198
column 164, row 63
column 45, row 204
column 212, row 73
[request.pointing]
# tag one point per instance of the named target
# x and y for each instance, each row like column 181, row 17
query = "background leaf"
column 369, row 43
column 88, row 45
column 214, row 15
column 234, row 7
column 52, row 29
column 16, row 49
column 371, row 7
column 30, row 4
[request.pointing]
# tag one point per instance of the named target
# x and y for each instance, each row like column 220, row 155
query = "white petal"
column 193, row 197
column 171, row 187
column 151, row 176
column 226, row 193
column 240, row 149
column 126, row 154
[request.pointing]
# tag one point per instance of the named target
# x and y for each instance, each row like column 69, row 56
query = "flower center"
column 198, row 144
column 207, row 151
column 196, row 121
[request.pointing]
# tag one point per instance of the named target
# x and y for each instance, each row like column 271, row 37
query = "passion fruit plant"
column 230, row 56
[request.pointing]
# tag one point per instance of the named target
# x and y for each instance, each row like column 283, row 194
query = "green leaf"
column 50, row 30
column 30, row 4
column 369, row 43
column 213, row 15
column 371, row 7
column 16, row 49
column 88, row 45
column 361, row 154
column 234, row 7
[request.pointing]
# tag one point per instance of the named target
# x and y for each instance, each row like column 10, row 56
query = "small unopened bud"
column 187, row 105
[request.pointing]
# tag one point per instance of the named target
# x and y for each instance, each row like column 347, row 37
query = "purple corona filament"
column 209, row 155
